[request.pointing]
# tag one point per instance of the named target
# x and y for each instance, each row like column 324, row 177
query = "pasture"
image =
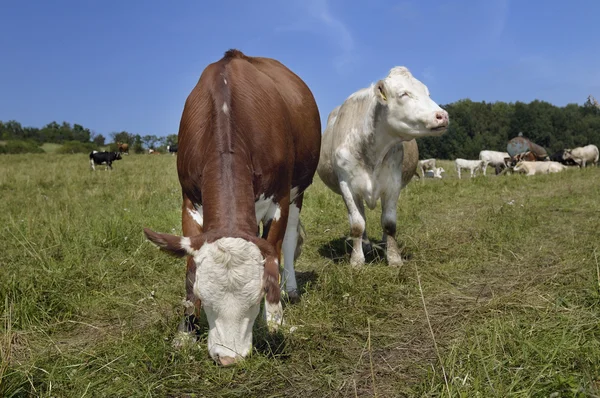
column 499, row 295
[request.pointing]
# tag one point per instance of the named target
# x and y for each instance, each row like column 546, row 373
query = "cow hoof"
column 394, row 260
column 274, row 316
column 183, row 340
column 293, row 296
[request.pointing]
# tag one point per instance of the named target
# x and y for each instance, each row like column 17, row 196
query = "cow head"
column 118, row 156
column 408, row 111
column 230, row 282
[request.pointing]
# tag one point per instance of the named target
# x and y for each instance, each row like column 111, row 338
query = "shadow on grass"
column 338, row 250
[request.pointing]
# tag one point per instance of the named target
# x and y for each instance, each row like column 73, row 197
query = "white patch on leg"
column 289, row 247
column 225, row 109
column 197, row 215
column 186, row 243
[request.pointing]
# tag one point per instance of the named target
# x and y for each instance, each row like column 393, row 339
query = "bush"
column 20, row 146
column 77, row 147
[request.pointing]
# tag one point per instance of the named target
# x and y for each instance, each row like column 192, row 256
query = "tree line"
column 474, row 126
column 14, row 138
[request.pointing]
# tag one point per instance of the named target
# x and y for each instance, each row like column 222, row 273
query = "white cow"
column 425, row 165
column 493, row 158
column 363, row 156
column 471, row 165
column 533, row 168
column 582, row 155
column 435, row 173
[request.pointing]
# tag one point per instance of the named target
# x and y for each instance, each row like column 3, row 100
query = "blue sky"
column 115, row 65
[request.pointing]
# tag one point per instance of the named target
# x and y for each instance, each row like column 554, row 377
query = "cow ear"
column 381, row 92
column 176, row 245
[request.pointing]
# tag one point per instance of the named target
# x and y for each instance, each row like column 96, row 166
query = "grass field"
column 499, row 296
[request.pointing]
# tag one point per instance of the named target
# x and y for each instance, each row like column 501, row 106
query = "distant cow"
column 250, row 135
column 103, row 158
column 172, row 149
column 426, row 164
column 494, row 159
column 582, row 155
column 558, row 156
column 533, row 168
column 435, row 173
column 472, row 165
column 369, row 152
column 123, row 148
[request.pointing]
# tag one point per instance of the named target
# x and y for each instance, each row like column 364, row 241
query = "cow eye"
column 403, row 94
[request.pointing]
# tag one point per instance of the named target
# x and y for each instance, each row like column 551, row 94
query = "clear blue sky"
column 115, row 65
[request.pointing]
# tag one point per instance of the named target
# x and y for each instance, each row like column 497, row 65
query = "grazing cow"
column 426, row 164
column 172, row 149
column 532, row 168
column 582, row 155
column 250, row 136
column 368, row 151
column 472, row 165
column 150, row 151
column 435, row 173
column 103, row 158
column 123, row 148
column 558, row 156
column 494, row 159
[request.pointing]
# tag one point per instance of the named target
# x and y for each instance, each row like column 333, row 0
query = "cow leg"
column 458, row 171
column 356, row 215
column 191, row 221
column 290, row 242
column 92, row 164
column 276, row 233
column 484, row 170
column 389, row 203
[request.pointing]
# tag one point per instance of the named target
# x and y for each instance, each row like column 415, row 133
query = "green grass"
column 507, row 268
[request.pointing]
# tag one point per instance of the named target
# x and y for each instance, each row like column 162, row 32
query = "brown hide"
column 410, row 161
column 249, row 128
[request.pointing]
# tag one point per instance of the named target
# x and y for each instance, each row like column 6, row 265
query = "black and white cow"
column 172, row 149
column 103, row 158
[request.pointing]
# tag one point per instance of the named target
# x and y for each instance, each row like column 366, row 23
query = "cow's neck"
column 228, row 196
column 381, row 141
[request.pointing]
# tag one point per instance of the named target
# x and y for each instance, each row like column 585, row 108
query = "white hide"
column 492, row 158
column 425, row 165
column 361, row 149
column 582, row 155
column 472, row 165
column 533, row 168
column 435, row 173
column 229, row 281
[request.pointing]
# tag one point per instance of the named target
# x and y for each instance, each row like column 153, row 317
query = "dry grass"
column 506, row 267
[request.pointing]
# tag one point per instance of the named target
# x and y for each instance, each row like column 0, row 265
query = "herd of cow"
column 527, row 158
column 249, row 145
column 107, row 158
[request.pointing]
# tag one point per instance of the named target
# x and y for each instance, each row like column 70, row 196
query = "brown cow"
column 249, row 142
column 123, row 148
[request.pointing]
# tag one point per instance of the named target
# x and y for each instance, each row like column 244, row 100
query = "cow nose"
column 226, row 361
column 442, row 117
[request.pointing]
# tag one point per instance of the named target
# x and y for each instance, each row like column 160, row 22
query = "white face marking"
column 224, row 80
column 229, row 281
column 225, row 109
column 409, row 111
column 197, row 215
